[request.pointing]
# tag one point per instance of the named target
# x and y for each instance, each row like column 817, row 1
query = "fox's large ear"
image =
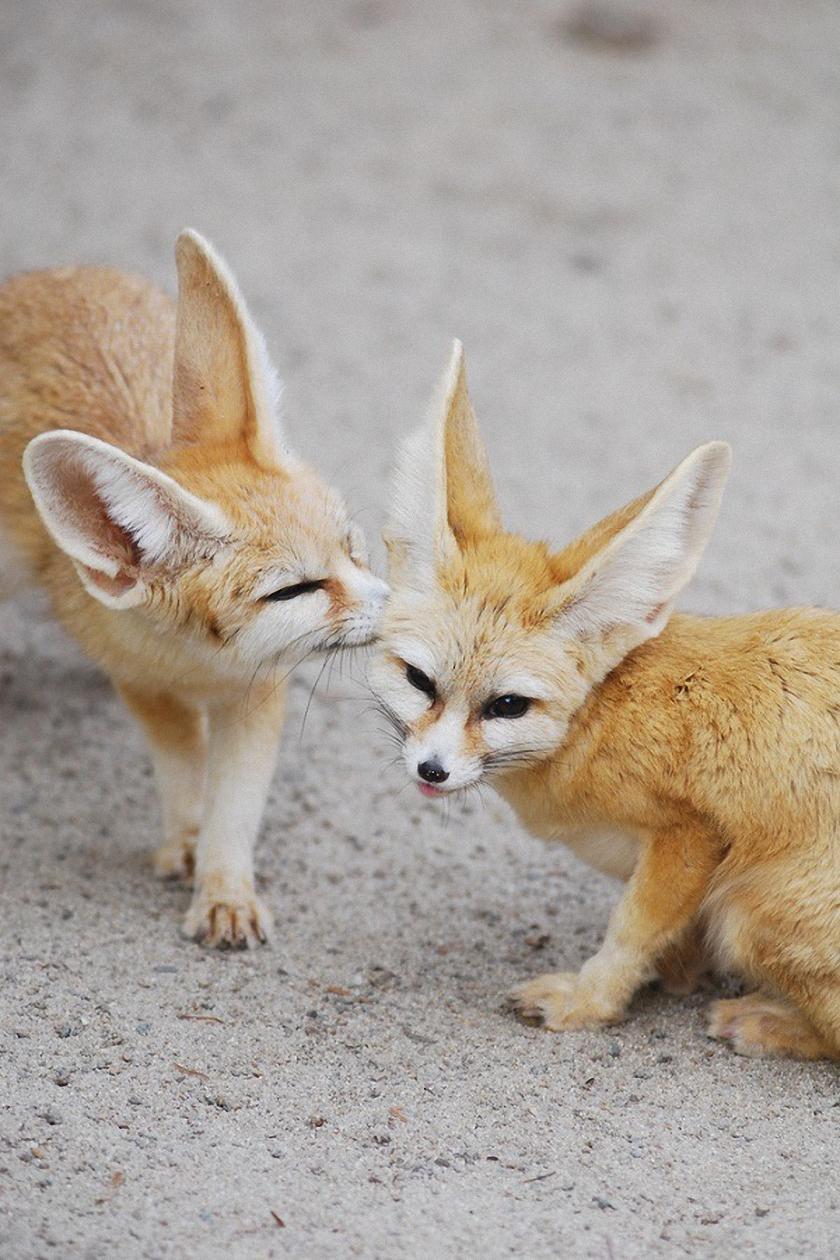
column 651, row 551
column 225, row 389
column 443, row 492
column 118, row 519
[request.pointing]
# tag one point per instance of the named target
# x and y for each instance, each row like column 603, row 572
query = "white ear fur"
column 116, row 517
column 225, row 384
column 418, row 534
column 443, row 492
column 634, row 580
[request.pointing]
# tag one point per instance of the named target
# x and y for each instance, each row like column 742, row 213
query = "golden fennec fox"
column 192, row 555
column 697, row 758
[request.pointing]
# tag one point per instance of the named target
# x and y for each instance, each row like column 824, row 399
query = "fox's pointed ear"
column 471, row 508
column 225, row 389
column 443, row 492
column 118, row 519
column 648, row 552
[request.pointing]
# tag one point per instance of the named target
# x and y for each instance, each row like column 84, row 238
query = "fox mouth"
column 429, row 789
column 354, row 635
column 491, row 766
column 438, row 792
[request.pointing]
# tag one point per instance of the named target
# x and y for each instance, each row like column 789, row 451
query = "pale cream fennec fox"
column 192, row 555
column 697, row 758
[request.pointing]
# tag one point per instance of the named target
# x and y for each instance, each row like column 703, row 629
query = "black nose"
column 432, row 772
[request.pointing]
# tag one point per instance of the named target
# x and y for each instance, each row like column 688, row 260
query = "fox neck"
column 133, row 647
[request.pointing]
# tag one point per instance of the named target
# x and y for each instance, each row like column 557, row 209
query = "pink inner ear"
column 117, row 585
column 655, row 613
column 111, row 539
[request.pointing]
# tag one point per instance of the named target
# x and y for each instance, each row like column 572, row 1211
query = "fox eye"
column 420, row 680
column 292, row 592
column 507, row 707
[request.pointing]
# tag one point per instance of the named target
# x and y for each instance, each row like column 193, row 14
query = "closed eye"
column 421, row 681
column 507, row 707
column 292, row 592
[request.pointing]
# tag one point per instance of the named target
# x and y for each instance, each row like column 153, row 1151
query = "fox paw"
column 746, row 1023
column 759, row 1025
column 175, row 859
column 228, row 921
column 560, row 1002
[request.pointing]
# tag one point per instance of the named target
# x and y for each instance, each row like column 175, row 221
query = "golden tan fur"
column 709, row 749
column 159, row 567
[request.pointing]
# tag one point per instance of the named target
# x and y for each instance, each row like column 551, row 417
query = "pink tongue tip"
column 428, row 790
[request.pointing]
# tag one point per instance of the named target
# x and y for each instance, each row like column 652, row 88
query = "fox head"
column 227, row 539
column 491, row 643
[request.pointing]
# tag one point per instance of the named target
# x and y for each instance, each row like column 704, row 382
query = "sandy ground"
column 638, row 245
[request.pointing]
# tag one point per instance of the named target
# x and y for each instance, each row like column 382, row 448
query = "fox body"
column 696, row 758
column 190, row 553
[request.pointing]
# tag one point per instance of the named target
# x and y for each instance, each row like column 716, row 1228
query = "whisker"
column 392, row 718
column 311, row 696
column 474, row 789
column 249, row 688
column 271, row 663
column 511, row 757
column 277, row 683
column 332, row 661
column 201, row 665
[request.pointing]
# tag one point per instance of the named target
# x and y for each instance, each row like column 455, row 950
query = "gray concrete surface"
column 638, row 242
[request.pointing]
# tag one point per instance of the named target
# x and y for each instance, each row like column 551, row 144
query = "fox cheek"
column 408, row 709
column 410, row 705
column 474, row 745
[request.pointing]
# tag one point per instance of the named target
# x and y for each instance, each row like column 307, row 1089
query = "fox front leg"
column 225, row 910
column 663, row 896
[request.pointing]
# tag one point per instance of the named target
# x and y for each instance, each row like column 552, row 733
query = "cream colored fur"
column 162, row 509
column 710, row 748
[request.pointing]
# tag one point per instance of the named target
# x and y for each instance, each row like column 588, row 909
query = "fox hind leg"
column 177, row 737
column 681, row 968
column 780, row 925
column 760, row 1024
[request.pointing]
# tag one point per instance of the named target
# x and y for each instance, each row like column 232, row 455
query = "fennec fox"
column 192, row 555
column 710, row 748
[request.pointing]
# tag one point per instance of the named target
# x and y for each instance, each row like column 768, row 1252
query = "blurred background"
column 626, row 210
